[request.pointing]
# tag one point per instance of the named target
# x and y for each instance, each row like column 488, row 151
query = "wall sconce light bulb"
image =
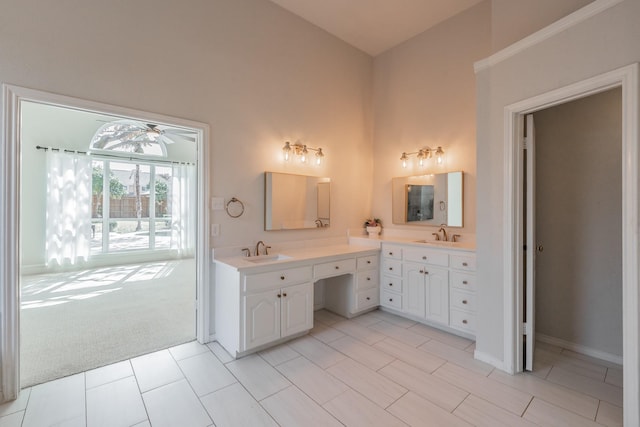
column 404, row 159
column 439, row 155
column 319, row 156
column 286, row 151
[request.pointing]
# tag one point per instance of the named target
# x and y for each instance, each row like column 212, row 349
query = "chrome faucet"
column 444, row 233
column 258, row 247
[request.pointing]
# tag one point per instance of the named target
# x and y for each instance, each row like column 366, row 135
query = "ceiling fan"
column 132, row 132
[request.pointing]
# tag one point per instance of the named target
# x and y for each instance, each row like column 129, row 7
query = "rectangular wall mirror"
column 428, row 199
column 293, row 202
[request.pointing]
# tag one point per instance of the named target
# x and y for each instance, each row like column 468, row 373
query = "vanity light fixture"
column 301, row 151
column 423, row 155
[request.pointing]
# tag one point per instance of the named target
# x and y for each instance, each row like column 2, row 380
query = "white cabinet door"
column 262, row 318
column 413, row 295
column 437, row 294
column 297, row 309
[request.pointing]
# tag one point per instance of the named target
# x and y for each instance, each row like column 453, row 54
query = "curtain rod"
column 112, row 156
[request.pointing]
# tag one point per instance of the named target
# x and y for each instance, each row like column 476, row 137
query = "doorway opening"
column 105, row 213
column 573, row 270
column 515, row 269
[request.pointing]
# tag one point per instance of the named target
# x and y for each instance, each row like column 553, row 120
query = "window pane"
column 128, row 234
column 96, row 206
column 163, row 209
column 131, row 199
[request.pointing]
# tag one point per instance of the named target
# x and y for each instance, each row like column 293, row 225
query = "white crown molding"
column 549, row 31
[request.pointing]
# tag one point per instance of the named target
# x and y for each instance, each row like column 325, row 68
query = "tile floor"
column 375, row 370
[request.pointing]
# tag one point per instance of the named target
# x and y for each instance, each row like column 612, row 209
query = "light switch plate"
column 215, row 230
column 217, row 203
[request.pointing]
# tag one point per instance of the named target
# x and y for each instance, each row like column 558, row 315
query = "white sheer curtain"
column 183, row 209
column 68, row 224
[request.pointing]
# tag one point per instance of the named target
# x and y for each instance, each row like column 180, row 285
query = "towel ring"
column 234, row 208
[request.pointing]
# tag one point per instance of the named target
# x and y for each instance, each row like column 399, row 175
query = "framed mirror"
column 432, row 200
column 294, row 202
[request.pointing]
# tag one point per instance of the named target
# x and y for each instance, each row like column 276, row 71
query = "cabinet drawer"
column 367, row 299
column 276, row 279
column 463, row 281
column 463, row 262
column 365, row 262
column 462, row 320
column 391, row 300
column 428, row 256
column 463, row 300
column 367, row 279
column 392, row 266
column 393, row 252
column 334, row 268
column 391, row 283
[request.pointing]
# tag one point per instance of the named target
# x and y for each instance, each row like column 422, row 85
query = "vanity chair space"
column 260, row 304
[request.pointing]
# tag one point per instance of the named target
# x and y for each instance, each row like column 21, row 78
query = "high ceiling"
column 375, row 25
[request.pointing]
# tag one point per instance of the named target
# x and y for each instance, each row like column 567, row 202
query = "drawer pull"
column 390, row 284
column 426, row 272
column 390, row 299
column 279, row 296
column 284, row 294
column 368, row 261
column 465, row 321
column 390, row 268
column 464, row 301
column 337, row 267
column 368, row 298
column 390, row 253
column 424, row 257
column 368, row 278
column 464, row 264
column 421, row 271
column 281, row 277
column 464, row 282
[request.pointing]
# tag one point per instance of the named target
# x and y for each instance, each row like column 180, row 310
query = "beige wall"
column 578, row 152
column 424, row 95
column 512, row 20
column 257, row 74
column 603, row 43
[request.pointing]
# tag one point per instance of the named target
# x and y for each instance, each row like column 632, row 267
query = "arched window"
column 130, row 136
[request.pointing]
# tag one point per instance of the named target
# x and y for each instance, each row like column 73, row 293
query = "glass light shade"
column 404, row 159
column 286, row 151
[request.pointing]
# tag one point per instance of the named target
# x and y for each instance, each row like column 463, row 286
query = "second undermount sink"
column 267, row 258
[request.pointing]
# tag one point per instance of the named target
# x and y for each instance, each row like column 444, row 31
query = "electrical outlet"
column 215, row 230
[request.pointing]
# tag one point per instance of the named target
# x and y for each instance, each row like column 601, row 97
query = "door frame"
column 10, row 154
column 627, row 79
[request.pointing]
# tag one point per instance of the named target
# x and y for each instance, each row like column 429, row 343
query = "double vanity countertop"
column 358, row 246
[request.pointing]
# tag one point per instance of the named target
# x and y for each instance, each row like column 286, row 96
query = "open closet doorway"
column 515, row 241
column 573, row 212
column 110, row 262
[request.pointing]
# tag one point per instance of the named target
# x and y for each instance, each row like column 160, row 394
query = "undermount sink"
column 267, row 258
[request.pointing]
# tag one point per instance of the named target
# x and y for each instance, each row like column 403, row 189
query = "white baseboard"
column 484, row 357
column 587, row 351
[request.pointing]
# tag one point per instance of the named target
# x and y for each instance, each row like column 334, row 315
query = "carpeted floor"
column 72, row 322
